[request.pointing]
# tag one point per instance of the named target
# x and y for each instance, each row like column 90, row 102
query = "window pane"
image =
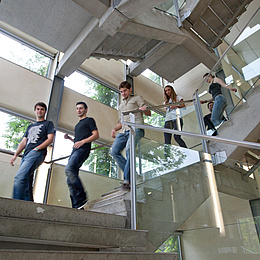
column 11, row 131
column 24, row 56
column 90, row 88
column 152, row 76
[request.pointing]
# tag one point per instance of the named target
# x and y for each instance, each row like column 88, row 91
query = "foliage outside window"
column 152, row 76
column 24, row 56
column 100, row 161
column 14, row 131
column 169, row 246
column 154, row 120
column 90, row 88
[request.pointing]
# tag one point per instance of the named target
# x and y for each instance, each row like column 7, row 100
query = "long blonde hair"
column 173, row 95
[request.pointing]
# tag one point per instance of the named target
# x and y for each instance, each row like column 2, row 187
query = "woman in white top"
column 170, row 96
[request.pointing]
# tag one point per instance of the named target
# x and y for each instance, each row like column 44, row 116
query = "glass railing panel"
column 8, row 173
column 172, row 183
column 58, row 193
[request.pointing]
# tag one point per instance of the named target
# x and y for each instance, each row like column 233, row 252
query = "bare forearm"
column 47, row 142
column 20, row 148
column 118, row 127
column 93, row 137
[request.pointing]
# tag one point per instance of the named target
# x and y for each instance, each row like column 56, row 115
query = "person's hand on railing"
column 145, row 111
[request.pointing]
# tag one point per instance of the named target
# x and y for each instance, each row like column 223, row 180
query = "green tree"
column 101, row 162
column 169, row 246
column 155, row 119
column 14, row 132
column 101, row 93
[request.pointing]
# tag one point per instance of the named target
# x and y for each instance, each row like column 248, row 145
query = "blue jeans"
column 77, row 193
column 220, row 104
column 24, row 177
column 123, row 141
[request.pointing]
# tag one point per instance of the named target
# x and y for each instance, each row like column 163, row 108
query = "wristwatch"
column 36, row 148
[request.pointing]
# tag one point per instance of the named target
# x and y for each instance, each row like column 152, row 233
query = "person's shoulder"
column 89, row 119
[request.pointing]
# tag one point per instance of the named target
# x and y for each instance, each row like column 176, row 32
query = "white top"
column 171, row 113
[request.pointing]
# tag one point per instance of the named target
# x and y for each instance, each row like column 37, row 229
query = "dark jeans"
column 168, row 137
column 24, row 177
column 77, row 192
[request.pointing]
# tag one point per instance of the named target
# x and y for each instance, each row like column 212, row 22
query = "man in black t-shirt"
column 36, row 139
column 85, row 133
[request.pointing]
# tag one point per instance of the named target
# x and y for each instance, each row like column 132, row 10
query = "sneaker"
column 84, row 203
column 125, row 186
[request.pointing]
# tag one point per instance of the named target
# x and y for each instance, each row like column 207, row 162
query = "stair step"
column 68, row 255
column 104, row 200
column 36, row 211
column 67, row 234
column 115, row 207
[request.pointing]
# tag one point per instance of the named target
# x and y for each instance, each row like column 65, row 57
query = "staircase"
column 164, row 203
column 245, row 113
column 39, row 231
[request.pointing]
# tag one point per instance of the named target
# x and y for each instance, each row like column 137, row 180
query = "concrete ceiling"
column 54, row 22
column 123, row 29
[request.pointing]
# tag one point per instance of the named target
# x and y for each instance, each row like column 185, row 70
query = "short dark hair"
column 207, row 74
column 41, row 104
column 210, row 103
column 125, row 84
column 82, row 103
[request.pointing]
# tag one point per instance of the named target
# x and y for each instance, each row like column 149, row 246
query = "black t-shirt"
column 84, row 129
column 37, row 133
column 207, row 121
column 215, row 89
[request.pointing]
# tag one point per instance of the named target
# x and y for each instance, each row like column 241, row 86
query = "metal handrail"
column 58, row 159
column 65, row 157
column 194, row 135
column 156, row 107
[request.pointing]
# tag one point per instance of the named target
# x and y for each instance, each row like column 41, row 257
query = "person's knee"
column 115, row 151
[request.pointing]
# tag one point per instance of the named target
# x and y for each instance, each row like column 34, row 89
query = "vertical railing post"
column 200, row 120
column 132, row 173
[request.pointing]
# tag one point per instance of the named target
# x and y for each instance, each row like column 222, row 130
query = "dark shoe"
column 83, row 204
column 125, row 186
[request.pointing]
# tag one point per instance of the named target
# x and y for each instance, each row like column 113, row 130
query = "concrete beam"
column 133, row 8
column 112, row 21
column 116, row 16
column 81, row 48
column 155, row 24
column 94, row 7
column 151, row 57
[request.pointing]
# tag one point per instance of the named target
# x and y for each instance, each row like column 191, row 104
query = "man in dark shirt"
column 85, row 133
column 36, row 139
column 208, row 123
